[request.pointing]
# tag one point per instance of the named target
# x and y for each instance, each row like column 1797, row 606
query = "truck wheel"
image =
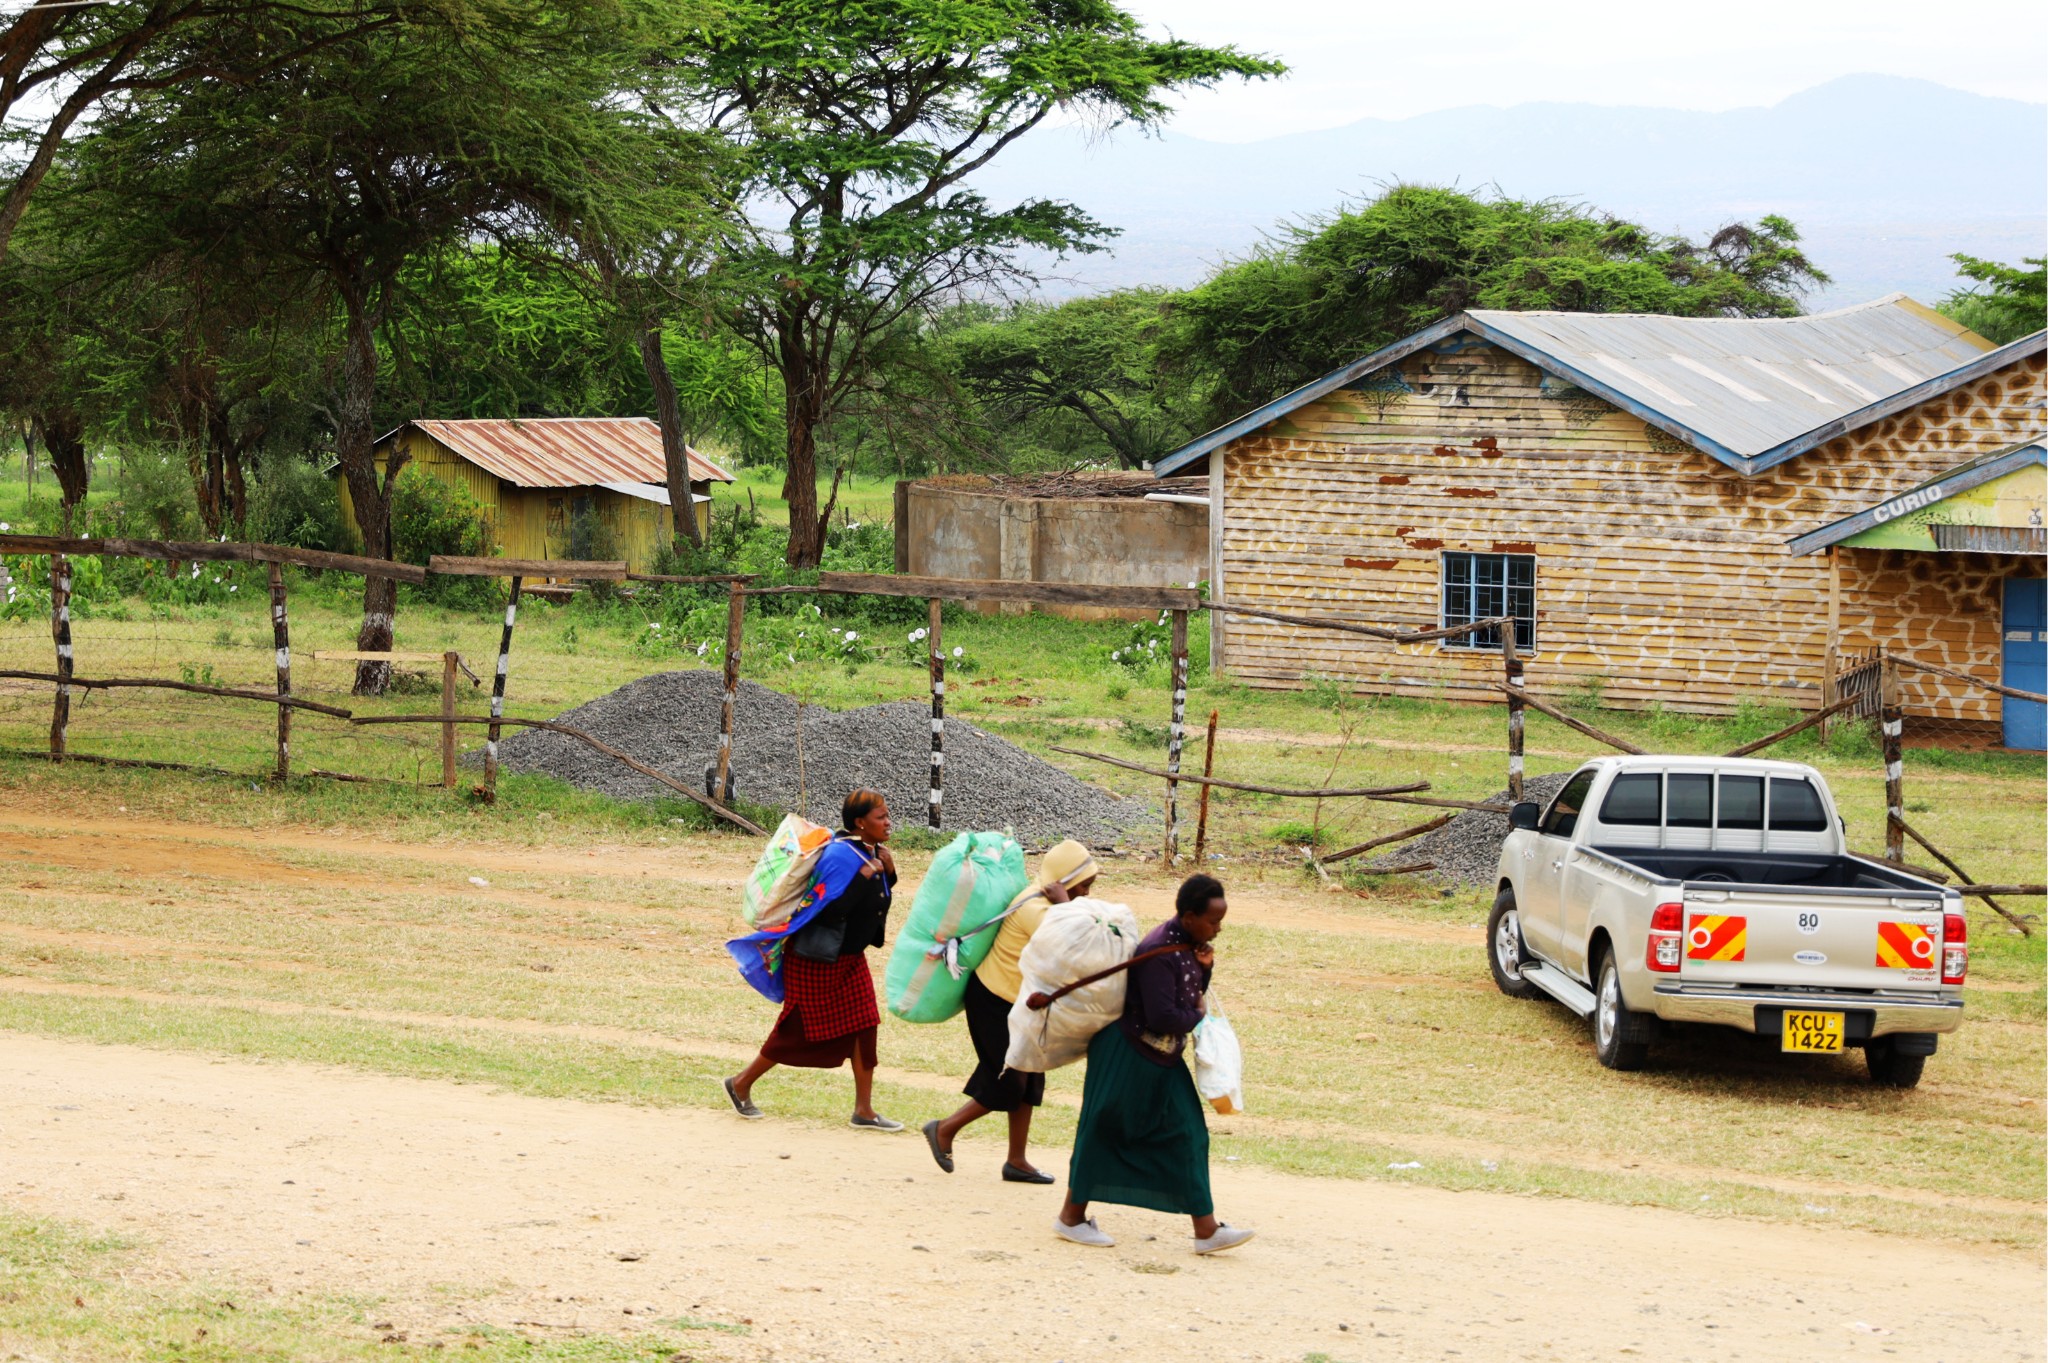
column 1889, row 1069
column 1504, row 948
column 1621, row 1037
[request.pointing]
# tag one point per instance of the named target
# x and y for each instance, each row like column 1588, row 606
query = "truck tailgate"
column 1825, row 940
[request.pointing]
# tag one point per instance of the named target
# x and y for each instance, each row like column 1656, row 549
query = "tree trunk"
column 803, row 404
column 668, row 414
column 64, row 439
column 355, row 442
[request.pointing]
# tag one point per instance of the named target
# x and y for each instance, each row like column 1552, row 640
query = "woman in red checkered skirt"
column 829, row 1015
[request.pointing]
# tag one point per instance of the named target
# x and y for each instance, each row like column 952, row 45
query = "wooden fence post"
column 1893, row 720
column 938, row 666
column 735, row 622
column 449, row 661
column 60, row 631
column 498, row 692
column 1511, row 673
column 281, row 636
column 1202, row 802
column 1176, row 731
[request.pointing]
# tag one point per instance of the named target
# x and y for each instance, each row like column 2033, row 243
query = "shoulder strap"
column 1040, row 1001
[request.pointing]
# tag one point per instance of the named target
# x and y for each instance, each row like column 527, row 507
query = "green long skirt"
column 1142, row 1140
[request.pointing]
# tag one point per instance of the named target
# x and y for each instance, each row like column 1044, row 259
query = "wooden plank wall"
column 1661, row 573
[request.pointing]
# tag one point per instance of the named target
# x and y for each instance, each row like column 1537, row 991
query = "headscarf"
column 1069, row 863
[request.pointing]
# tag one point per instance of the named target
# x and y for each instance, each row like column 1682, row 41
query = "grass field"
column 338, row 923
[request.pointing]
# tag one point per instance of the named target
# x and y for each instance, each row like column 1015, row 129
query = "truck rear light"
column 1665, row 944
column 1955, row 948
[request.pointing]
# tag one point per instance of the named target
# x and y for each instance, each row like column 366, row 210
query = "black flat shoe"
column 931, row 1138
column 1012, row 1174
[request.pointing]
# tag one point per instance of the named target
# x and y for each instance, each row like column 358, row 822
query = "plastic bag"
column 1219, row 1060
column 1075, row 939
column 776, row 886
column 970, row 883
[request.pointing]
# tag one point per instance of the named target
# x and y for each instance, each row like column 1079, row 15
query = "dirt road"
column 458, row 1206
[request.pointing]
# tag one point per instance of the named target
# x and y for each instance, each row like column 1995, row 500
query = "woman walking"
column 1142, row 1139
column 829, row 1017
column 1067, row 871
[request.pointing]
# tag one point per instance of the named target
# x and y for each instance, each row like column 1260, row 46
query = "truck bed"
column 1817, row 871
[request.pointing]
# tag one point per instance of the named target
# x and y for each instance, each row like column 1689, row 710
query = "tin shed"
column 536, row 475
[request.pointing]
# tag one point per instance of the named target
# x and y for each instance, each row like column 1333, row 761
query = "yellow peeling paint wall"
column 1661, row 574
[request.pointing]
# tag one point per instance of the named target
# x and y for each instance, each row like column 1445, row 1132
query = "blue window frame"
column 1483, row 586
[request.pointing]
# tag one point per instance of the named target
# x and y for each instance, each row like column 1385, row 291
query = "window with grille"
column 1486, row 586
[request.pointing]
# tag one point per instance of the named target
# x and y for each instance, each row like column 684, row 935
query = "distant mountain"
column 1885, row 177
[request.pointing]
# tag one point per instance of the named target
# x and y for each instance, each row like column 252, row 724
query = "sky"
column 1352, row 60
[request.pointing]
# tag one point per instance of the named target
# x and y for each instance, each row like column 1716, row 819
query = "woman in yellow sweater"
column 1066, row 872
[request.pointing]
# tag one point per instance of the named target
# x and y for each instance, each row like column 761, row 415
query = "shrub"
column 430, row 517
column 292, row 502
column 153, row 495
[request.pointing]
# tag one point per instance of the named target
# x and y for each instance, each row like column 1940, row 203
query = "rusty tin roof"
column 570, row 451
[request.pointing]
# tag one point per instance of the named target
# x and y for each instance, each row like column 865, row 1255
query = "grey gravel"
column 670, row 722
column 1467, row 849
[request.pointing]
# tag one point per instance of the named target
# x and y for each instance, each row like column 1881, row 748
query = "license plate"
column 1813, row 1031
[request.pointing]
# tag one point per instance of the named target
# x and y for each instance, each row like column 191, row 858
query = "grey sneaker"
column 1226, row 1237
column 744, row 1106
column 1087, row 1233
column 875, row 1123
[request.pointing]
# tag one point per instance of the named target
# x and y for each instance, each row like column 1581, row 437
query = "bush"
column 430, row 517
column 292, row 502
column 153, row 495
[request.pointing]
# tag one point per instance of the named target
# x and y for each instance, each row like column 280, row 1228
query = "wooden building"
column 535, row 476
column 1642, row 494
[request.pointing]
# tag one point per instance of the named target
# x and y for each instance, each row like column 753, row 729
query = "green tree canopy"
column 2008, row 302
column 1334, row 289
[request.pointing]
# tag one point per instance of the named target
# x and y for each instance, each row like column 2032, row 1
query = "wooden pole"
column 1544, row 707
column 1176, row 733
column 1832, row 664
column 449, row 662
column 1893, row 719
column 1983, row 892
column 1208, row 770
column 281, row 636
column 735, row 623
column 498, row 692
column 935, row 813
column 1331, row 793
column 60, row 632
column 1511, row 676
column 1385, row 838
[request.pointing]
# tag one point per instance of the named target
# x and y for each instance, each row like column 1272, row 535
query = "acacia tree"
column 336, row 177
column 61, row 58
column 1335, row 288
column 862, row 124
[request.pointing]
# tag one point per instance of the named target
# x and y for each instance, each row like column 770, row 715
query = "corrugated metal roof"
column 1749, row 385
column 1750, row 393
column 566, row 451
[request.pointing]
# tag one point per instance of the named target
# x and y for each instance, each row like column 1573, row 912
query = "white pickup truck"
column 1720, row 890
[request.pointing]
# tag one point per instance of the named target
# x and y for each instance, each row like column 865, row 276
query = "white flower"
column 853, row 525
column 231, row 586
column 816, row 610
column 959, row 652
column 1115, row 656
column 702, row 647
column 654, row 625
column 216, row 577
column 1194, row 584
column 4, row 527
column 851, row 636
column 792, row 658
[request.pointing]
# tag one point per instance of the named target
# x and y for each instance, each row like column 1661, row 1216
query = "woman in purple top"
column 1142, row 1139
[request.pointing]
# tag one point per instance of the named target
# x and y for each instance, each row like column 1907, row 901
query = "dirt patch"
column 458, row 1208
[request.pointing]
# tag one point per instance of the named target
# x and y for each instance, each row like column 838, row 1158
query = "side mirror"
column 1525, row 814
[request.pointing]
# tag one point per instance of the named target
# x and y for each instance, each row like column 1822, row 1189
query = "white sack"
column 1075, row 939
column 1219, row 1061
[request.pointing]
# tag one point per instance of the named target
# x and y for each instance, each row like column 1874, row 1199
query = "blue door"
column 2026, row 662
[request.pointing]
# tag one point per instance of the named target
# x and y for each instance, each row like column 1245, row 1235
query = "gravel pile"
column 670, row 722
column 1467, row 849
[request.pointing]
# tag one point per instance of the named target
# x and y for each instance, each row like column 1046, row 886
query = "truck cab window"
column 1692, row 800
column 1796, row 806
column 1635, row 800
column 1563, row 815
column 1742, row 802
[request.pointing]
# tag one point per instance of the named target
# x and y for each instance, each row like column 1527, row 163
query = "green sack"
column 970, row 884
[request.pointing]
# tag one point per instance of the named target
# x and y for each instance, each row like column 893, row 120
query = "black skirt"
column 991, row 1085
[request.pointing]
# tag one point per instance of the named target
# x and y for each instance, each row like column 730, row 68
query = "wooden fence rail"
column 164, row 684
